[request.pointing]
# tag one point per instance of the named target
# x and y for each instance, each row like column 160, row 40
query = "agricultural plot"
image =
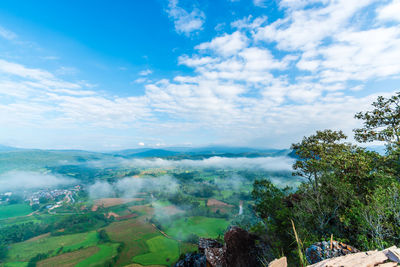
column 69, row 259
column 14, row 210
column 162, row 250
column 111, row 202
column 24, row 251
column 16, row 264
column 199, row 225
column 133, row 233
column 106, row 253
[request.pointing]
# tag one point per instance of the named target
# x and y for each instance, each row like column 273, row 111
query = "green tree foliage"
column 3, row 252
column 20, row 232
column 382, row 123
column 347, row 191
column 103, row 236
column 275, row 213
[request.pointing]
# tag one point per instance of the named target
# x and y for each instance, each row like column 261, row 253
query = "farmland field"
column 149, row 220
column 133, row 233
column 24, row 251
column 106, row 252
column 199, row 225
column 70, row 258
column 14, row 210
column 162, row 250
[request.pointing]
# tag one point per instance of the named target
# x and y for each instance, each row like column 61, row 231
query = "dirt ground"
column 215, row 202
column 109, row 202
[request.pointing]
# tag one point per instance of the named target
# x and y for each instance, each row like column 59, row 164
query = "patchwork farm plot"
column 14, row 210
column 152, row 228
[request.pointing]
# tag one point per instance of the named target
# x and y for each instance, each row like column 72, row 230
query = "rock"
column 282, row 262
column 192, row 260
column 241, row 249
column 208, row 243
column 215, row 257
column 322, row 250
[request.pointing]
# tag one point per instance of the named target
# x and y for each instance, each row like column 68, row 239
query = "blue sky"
column 104, row 75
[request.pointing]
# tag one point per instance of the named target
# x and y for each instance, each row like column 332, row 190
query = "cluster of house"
column 53, row 194
column 5, row 197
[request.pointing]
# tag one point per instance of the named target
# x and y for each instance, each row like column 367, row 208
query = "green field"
column 70, row 258
column 16, row 264
column 26, row 250
column 14, row 210
column 107, row 251
column 163, row 251
column 133, row 233
column 201, row 226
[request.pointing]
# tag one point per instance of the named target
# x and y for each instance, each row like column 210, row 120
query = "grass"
column 69, row 259
column 162, row 203
column 107, row 252
column 14, row 210
column 187, row 247
column 25, row 250
column 201, row 226
column 16, row 264
column 133, row 233
column 162, row 250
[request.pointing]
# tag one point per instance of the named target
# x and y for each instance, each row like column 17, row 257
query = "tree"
column 271, row 207
column 382, row 123
column 315, row 153
column 103, row 236
column 3, row 252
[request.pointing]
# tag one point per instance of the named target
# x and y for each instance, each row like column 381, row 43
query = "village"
column 44, row 196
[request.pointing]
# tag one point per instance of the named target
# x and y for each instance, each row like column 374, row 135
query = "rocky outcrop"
column 241, row 249
column 215, row 257
column 205, row 243
column 192, row 260
column 386, row 258
column 325, row 250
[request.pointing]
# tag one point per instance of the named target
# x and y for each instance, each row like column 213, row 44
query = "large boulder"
column 205, row 243
column 242, row 249
column 325, row 250
column 192, row 260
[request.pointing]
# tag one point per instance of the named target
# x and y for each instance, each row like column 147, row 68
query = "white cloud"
column 41, row 98
column 185, row 22
column 145, row 72
column 6, row 34
column 226, row 45
column 390, row 11
column 22, row 180
column 260, row 3
column 261, row 84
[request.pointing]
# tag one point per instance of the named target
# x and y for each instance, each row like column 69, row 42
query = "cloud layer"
column 21, row 180
column 261, row 163
column 262, row 83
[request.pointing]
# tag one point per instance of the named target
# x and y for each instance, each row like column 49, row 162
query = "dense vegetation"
column 347, row 191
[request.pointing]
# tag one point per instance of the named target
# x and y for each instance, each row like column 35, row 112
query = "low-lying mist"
column 24, row 180
column 282, row 163
column 130, row 187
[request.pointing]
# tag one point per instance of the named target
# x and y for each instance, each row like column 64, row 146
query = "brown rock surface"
column 384, row 258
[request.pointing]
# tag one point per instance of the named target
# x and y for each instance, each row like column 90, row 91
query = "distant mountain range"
column 7, row 148
column 199, row 152
column 18, row 158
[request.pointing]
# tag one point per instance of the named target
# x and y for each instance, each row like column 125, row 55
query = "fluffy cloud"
column 265, row 83
column 390, row 11
column 21, row 180
column 6, row 34
column 185, row 22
